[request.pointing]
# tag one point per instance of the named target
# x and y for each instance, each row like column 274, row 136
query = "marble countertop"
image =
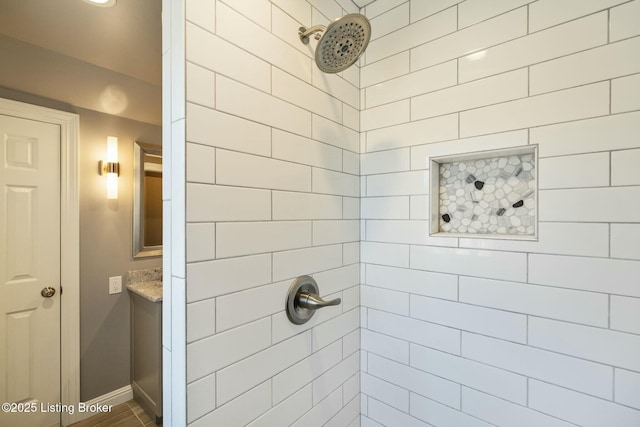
column 151, row 290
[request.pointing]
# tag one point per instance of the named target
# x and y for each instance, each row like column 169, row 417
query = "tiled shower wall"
column 272, row 192
column 471, row 332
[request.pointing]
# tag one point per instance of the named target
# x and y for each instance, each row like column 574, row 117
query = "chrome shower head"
column 341, row 43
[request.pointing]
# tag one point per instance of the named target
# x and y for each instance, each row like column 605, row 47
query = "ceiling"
column 99, row 58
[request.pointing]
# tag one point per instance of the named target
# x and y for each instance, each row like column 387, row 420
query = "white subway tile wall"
column 472, row 332
column 291, row 171
column 272, row 192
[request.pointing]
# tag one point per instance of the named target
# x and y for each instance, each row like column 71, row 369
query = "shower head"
column 341, row 43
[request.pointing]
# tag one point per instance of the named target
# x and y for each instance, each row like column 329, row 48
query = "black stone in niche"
column 501, row 211
column 479, row 184
column 518, row 204
column 446, row 218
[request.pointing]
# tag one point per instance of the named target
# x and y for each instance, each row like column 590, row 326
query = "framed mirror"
column 147, row 200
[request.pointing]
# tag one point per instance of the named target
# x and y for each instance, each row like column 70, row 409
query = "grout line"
column 272, row 394
column 609, row 240
column 270, row 80
column 215, row 165
column 506, row 281
column 277, row 159
column 610, row 96
column 215, row 20
column 503, row 369
column 331, row 94
column 410, row 99
column 493, row 309
column 133, row 412
column 484, row 21
column 608, row 26
column 610, row 168
column 362, row 99
column 613, row 385
column 484, row 392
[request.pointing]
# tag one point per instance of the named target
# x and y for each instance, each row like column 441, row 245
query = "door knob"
column 47, row 292
column 303, row 300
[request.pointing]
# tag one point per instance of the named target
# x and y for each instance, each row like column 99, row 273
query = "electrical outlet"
column 115, row 285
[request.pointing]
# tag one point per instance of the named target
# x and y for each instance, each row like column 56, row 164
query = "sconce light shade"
column 112, row 186
column 111, row 167
column 112, row 149
column 102, row 3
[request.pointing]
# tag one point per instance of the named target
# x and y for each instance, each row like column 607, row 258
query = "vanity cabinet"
column 146, row 348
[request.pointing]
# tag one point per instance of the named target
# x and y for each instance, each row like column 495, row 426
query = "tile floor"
column 128, row 414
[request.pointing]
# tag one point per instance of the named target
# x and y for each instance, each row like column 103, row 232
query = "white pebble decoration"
column 488, row 196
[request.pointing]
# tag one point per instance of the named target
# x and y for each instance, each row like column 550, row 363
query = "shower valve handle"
column 312, row 301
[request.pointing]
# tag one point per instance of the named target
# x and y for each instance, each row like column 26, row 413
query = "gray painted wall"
column 106, row 250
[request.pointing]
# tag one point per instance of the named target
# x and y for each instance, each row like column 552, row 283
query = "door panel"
column 29, row 261
column 18, row 209
column 19, row 356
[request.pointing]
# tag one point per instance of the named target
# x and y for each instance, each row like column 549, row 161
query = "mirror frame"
column 140, row 149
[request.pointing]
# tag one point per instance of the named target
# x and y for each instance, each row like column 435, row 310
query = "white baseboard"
column 113, row 398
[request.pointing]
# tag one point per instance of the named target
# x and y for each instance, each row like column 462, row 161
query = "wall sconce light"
column 102, row 3
column 111, row 167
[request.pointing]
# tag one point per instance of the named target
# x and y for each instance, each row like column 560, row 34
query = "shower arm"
column 304, row 33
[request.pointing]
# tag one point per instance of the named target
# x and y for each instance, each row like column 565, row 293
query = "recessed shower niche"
column 488, row 194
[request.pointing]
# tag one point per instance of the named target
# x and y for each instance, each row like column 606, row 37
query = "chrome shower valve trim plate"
column 303, row 300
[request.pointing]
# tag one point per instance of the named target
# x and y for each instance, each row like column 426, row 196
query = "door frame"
column 69, row 243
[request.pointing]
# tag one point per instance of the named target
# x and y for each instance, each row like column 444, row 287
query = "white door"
column 29, row 263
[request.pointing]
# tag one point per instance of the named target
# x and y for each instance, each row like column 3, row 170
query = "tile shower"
column 290, row 171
